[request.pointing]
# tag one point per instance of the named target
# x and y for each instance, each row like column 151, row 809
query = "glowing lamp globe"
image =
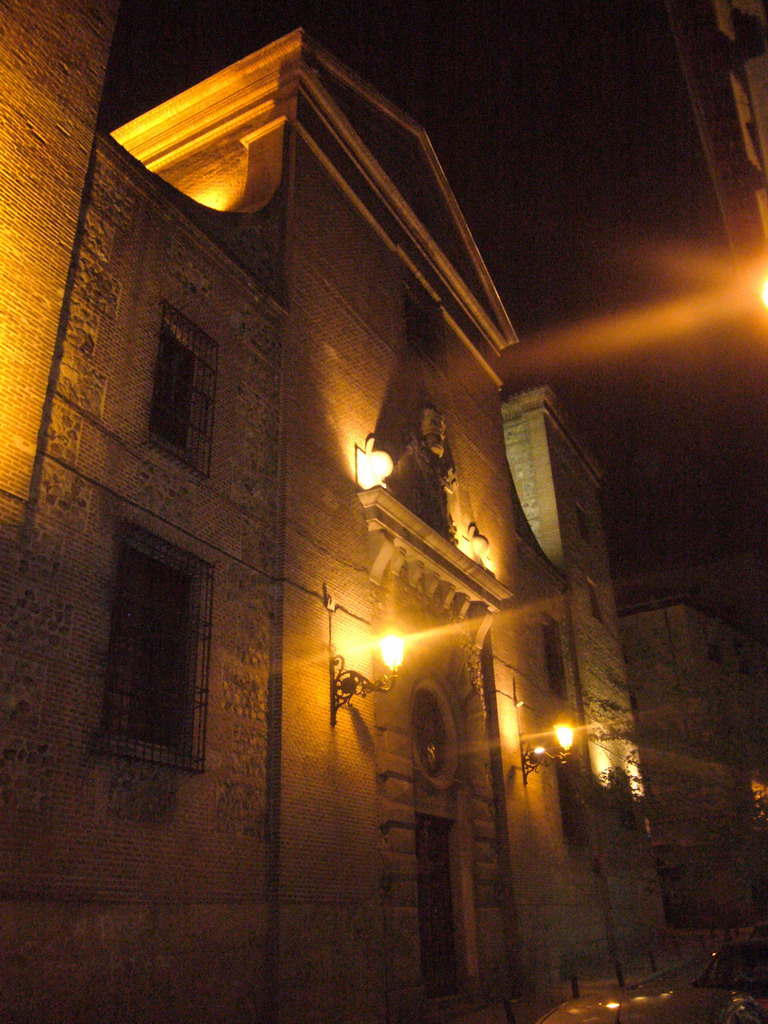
column 392, row 647
column 564, row 735
column 381, row 464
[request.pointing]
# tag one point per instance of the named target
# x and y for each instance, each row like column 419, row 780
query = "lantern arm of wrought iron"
column 346, row 683
column 533, row 758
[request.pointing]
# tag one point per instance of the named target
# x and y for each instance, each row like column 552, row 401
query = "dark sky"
column 565, row 130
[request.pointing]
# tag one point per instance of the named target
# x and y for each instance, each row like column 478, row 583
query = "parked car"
column 733, row 989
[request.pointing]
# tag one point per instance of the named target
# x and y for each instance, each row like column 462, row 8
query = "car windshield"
column 743, row 967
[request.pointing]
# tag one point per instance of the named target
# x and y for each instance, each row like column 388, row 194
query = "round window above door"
column 435, row 744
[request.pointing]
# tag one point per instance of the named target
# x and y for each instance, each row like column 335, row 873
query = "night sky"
column 565, row 130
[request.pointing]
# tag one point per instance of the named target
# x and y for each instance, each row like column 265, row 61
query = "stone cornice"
column 237, row 96
column 398, row 539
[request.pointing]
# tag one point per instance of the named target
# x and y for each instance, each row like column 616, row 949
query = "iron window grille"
column 156, row 695
column 181, row 415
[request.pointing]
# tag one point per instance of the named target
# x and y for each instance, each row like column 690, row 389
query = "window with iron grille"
column 157, row 666
column 181, row 416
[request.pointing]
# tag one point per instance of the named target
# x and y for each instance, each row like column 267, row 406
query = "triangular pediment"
column 221, row 143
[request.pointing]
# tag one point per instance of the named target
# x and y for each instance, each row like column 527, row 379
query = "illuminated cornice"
column 241, row 97
column 399, row 539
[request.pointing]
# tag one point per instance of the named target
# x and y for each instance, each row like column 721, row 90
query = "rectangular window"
column 157, row 665
column 424, row 329
column 553, row 656
column 181, row 415
column 572, row 810
column 594, row 602
column 583, row 521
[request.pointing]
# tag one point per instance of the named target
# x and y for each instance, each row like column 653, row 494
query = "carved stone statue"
column 424, row 476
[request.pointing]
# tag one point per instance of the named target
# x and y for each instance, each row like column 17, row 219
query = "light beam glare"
column 729, row 293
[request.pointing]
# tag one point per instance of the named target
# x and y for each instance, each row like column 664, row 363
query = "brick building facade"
column 695, row 644
column 558, row 483
column 273, row 308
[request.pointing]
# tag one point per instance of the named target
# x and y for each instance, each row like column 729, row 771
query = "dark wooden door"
column 438, row 956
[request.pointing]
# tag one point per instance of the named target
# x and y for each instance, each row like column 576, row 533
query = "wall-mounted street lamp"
column 533, row 758
column 347, row 683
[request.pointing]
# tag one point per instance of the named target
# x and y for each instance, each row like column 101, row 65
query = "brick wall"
column 698, row 682
column 558, row 487
column 151, row 880
column 52, row 73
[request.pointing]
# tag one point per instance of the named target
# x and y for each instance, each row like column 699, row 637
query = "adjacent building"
column 558, row 483
column 268, row 431
column 723, row 50
column 695, row 644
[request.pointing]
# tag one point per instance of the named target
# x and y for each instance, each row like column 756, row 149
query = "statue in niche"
column 424, row 476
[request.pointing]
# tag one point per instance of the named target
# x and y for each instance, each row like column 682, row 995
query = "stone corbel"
column 431, row 580
column 415, row 572
column 264, row 149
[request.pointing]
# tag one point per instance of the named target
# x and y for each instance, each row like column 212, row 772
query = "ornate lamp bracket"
column 347, row 683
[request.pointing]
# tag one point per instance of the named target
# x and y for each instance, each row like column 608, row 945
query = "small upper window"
column 594, row 601
column 715, row 651
column 553, row 656
column 424, row 326
column 157, row 664
column 583, row 521
column 181, row 416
